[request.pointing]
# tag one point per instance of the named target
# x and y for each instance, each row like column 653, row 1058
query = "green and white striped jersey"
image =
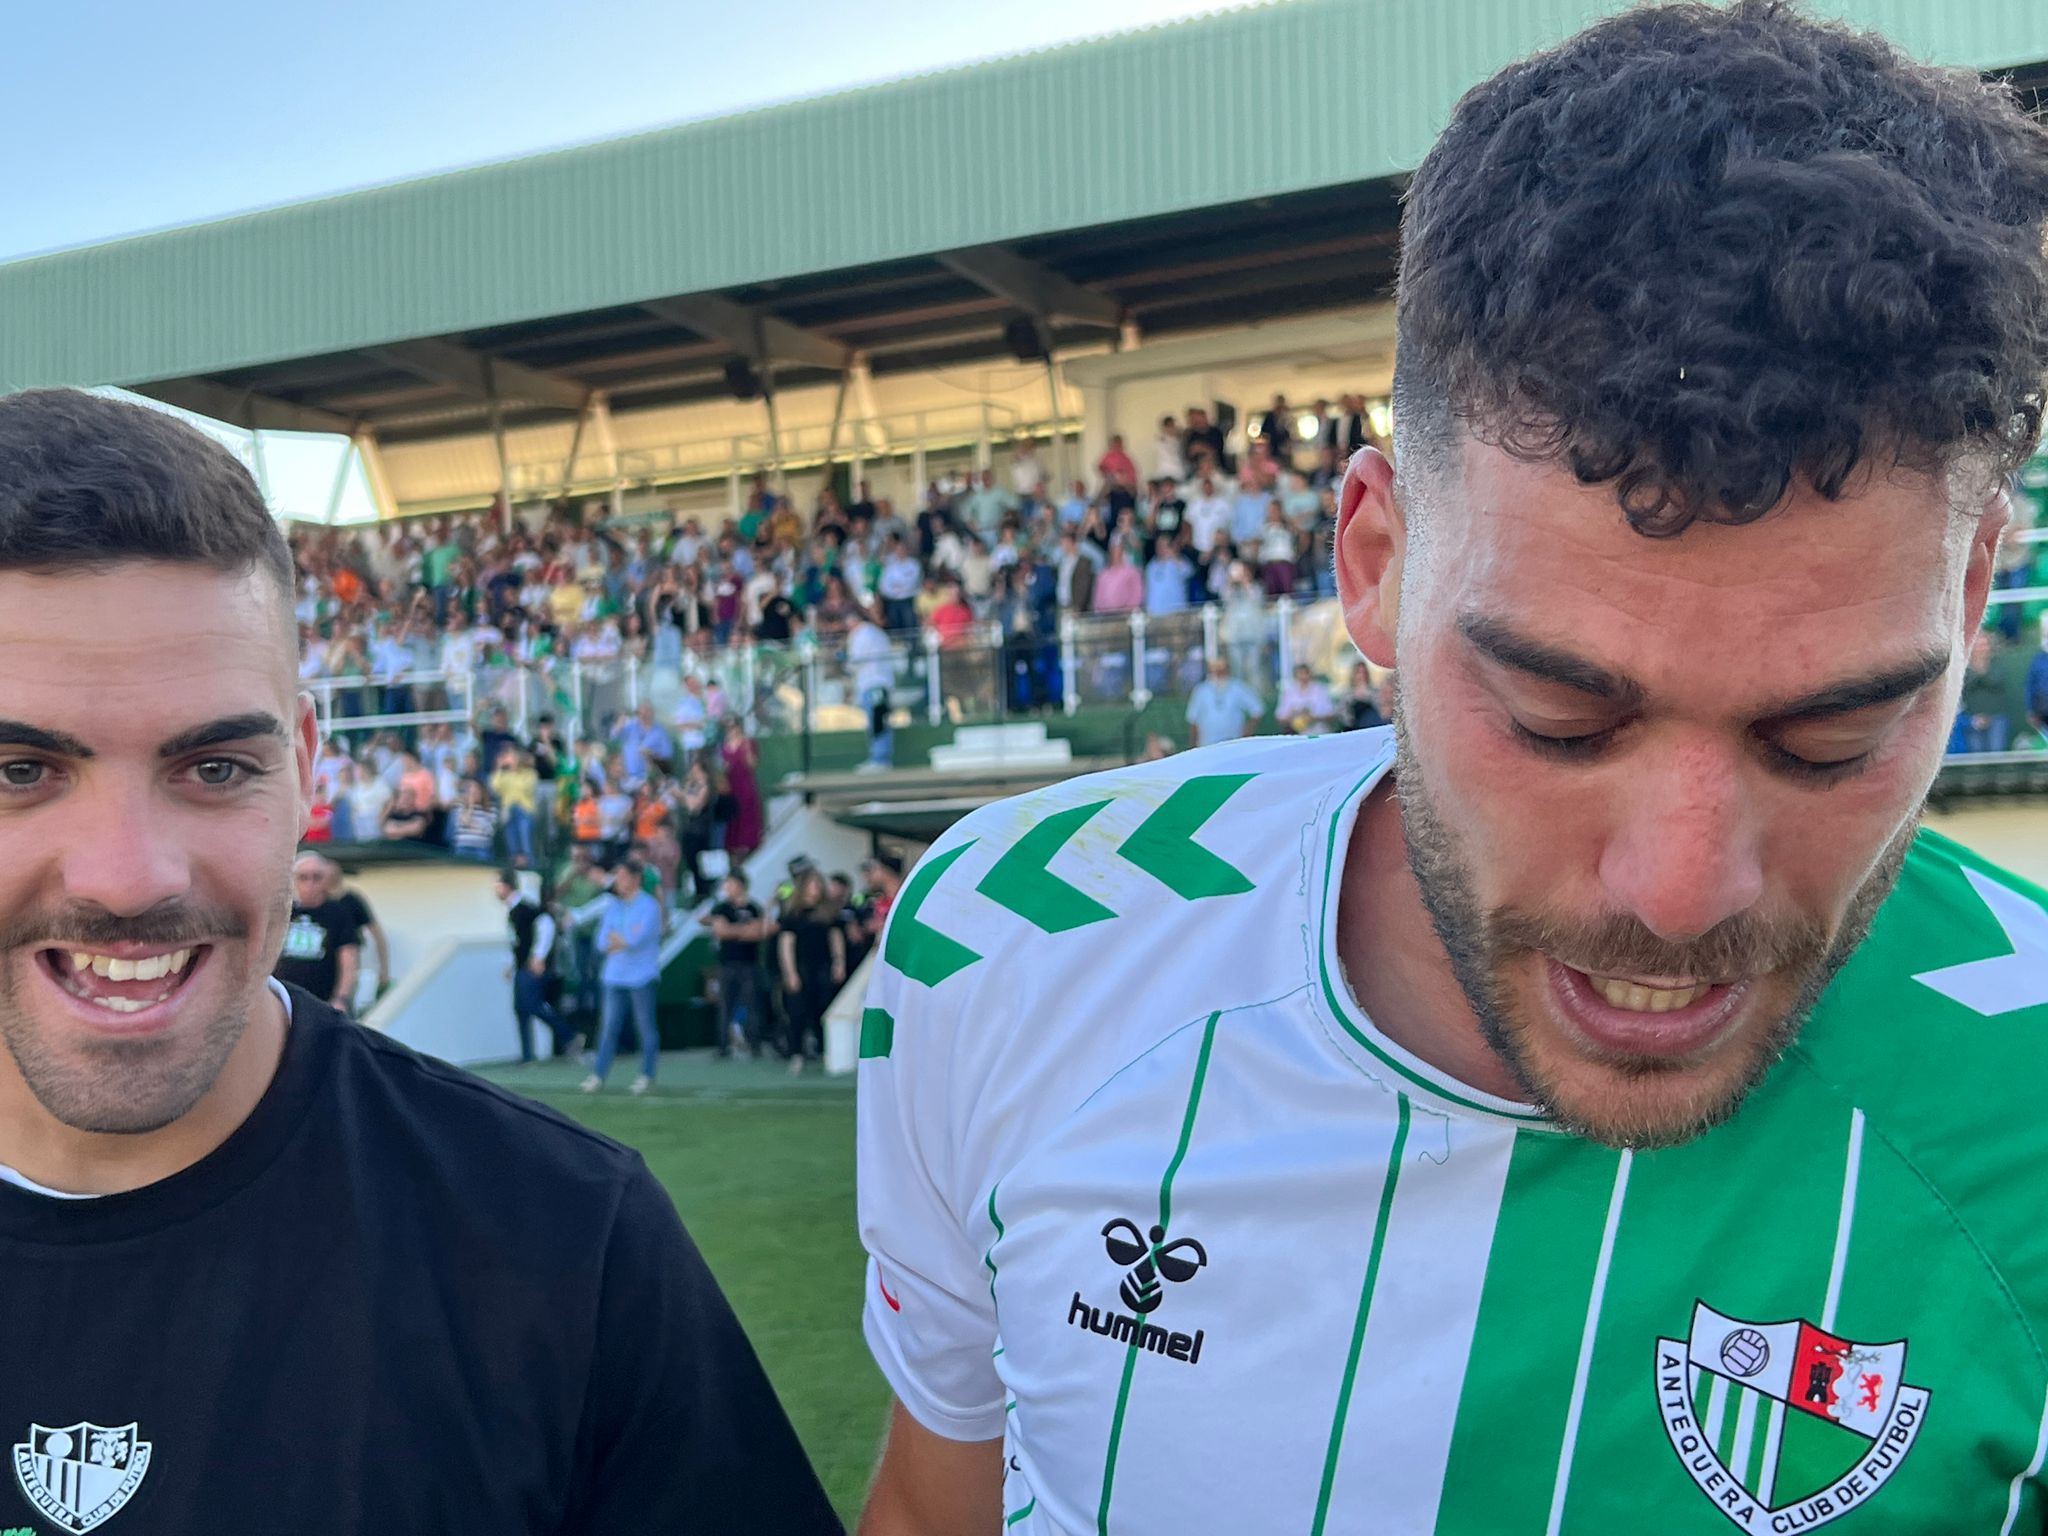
column 1147, row 1197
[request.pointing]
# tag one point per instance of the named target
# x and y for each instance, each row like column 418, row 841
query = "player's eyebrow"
column 1508, row 648
column 1852, row 694
column 1547, row 663
column 19, row 733
column 218, row 733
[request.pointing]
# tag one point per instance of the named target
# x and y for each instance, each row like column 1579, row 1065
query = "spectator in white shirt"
column 872, row 661
column 1208, row 515
column 1027, row 472
column 460, row 647
column 1168, row 462
column 690, row 715
column 1306, row 707
column 368, row 798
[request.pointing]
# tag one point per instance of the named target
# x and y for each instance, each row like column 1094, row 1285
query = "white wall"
column 419, row 905
column 457, row 1005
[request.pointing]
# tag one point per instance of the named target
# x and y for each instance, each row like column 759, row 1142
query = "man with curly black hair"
column 1592, row 1105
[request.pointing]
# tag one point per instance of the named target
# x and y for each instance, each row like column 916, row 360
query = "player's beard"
column 116, row 1086
column 1484, row 945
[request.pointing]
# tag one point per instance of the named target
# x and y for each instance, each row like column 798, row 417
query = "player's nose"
column 120, row 852
column 1685, row 853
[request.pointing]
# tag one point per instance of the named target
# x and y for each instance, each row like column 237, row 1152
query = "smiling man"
column 270, row 1271
column 1592, row 1105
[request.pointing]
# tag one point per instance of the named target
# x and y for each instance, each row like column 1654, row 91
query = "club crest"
column 82, row 1474
column 1785, row 1418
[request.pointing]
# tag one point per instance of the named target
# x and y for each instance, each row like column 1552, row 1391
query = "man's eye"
column 22, row 775
column 1568, row 747
column 218, row 772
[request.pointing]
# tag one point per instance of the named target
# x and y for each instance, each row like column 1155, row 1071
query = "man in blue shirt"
column 643, row 744
column 1222, row 708
column 629, row 942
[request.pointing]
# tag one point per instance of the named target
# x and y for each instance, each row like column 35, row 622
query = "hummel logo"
column 1146, row 1262
column 1146, row 1266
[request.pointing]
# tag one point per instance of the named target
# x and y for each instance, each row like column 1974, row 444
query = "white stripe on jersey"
column 1847, row 1220
column 2019, row 1482
column 1425, row 1307
column 1571, row 1418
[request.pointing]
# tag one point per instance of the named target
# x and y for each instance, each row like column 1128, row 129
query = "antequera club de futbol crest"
column 1784, row 1426
column 82, row 1474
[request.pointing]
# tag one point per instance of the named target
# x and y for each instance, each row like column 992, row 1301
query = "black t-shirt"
column 813, row 935
column 355, row 909
column 778, row 619
column 313, row 946
column 738, row 951
column 396, row 1299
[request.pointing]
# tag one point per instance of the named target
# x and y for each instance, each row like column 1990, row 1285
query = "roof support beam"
column 243, row 407
column 1035, row 289
column 480, row 375
column 763, row 339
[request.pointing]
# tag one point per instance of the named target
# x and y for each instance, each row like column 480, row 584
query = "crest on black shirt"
column 81, row 1474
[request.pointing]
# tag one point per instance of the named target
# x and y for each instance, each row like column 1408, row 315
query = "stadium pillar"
column 832, row 437
column 576, row 441
column 341, row 469
column 601, row 428
column 373, row 472
column 1141, row 693
column 504, row 466
column 775, row 436
column 1095, row 425
column 934, row 695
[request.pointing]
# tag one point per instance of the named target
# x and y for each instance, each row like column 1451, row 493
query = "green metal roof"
column 1227, row 107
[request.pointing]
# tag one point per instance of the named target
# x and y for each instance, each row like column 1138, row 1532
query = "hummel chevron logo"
column 1020, row 881
column 2003, row 983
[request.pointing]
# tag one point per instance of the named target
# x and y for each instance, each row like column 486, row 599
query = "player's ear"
column 1372, row 542
column 305, row 744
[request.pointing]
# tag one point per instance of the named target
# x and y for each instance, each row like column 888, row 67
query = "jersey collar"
column 1355, row 1033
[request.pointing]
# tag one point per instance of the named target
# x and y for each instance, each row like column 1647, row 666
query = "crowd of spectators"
column 1005, row 546
column 1209, row 519
column 383, row 610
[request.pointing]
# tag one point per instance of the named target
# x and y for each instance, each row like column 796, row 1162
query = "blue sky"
column 124, row 116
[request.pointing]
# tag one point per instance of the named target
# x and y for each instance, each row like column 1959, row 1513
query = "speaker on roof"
column 1027, row 342
column 741, row 379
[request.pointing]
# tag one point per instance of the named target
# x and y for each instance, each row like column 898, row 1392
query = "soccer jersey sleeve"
column 929, row 1316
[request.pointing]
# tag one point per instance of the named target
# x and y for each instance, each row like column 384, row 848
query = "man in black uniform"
column 533, row 960
column 272, row 1272
column 739, row 925
column 323, row 944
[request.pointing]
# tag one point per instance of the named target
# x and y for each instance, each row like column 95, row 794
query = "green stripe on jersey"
column 1180, row 1152
column 1365, row 1290
column 1700, row 1227
column 877, row 1033
column 1504, row 1447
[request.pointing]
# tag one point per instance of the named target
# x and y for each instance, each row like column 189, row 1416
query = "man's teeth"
column 147, row 969
column 1638, row 998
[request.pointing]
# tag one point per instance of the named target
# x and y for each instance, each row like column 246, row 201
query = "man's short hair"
column 87, row 481
column 509, row 878
column 1698, row 252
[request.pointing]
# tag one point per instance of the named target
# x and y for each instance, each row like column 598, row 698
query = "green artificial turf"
column 761, row 1167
